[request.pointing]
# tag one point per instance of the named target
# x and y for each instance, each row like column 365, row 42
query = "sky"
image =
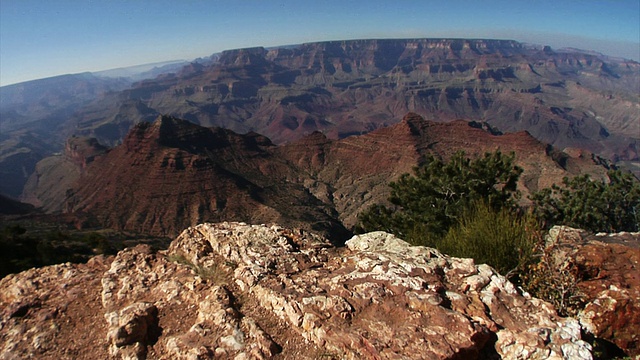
column 41, row 38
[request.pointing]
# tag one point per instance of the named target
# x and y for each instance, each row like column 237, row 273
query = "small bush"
column 213, row 273
column 554, row 282
column 502, row 238
column 179, row 259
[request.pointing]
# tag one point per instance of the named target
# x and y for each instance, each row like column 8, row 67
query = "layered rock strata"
column 171, row 174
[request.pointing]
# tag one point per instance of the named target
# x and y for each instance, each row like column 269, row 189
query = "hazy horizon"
column 40, row 40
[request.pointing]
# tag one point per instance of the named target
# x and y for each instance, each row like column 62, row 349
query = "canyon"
column 569, row 99
column 171, row 174
column 297, row 141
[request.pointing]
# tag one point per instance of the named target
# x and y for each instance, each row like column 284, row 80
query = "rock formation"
column 35, row 121
column 171, row 174
column 355, row 172
column 607, row 273
column 232, row 290
column 344, row 88
column 53, row 176
column 341, row 88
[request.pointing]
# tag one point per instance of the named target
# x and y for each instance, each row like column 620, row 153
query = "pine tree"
column 427, row 204
column 593, row 205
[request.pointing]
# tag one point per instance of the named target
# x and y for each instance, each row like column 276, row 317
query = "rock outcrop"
column 232, row 290
column 53, row 176
column 607, row 273
column 171, row 174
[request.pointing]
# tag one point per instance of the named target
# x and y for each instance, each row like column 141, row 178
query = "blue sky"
column 46, row 38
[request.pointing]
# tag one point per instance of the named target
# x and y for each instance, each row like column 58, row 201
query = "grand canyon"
column 254, row 165
column 567, row 98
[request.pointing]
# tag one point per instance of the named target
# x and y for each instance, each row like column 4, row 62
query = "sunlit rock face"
column 232, row 290
column 567, row 99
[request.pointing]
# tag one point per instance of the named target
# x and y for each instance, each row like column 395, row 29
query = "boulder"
column 132, row 329
column 607, row 272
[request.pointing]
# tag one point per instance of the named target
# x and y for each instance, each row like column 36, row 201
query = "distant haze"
column 42, row 39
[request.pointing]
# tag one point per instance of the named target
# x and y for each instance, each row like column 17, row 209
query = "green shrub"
column 427, row 204
column 590, row 204
column 501, row 238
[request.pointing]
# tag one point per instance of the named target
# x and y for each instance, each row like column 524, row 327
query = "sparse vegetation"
column 179, row 259
column 24, row 246
column 20, row 250
column 554, row 282
column 211, row 273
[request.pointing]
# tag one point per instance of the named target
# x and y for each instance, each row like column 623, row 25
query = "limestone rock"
column 132, row 329
column 197, row 314
column 53, row 312
column 381, row 298
column 238, row 291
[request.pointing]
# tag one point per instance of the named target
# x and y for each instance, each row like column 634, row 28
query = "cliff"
column 171, row 174
column 567, row 99
column 344, row 88
column 53, row 176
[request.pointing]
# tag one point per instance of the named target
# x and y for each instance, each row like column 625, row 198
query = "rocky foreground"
column 232, row 290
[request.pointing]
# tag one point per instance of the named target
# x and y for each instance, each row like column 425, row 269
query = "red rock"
column 172, row 174
column 609, row 276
